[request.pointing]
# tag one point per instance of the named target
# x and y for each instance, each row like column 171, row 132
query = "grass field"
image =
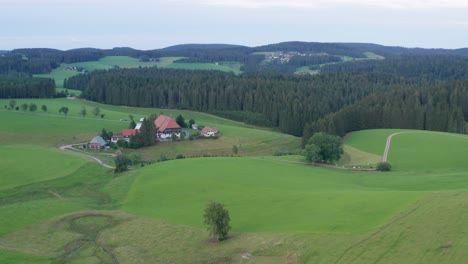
column 56, row 207
column 414, row 149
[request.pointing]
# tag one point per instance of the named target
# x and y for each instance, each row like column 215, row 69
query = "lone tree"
column 63, row 110
column 121, row 163
column 44, row 108
column 323, row 147
column 217, row 218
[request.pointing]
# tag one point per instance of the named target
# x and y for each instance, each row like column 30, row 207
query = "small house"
column 209, row 132
column 97, row 143
column 125, row 135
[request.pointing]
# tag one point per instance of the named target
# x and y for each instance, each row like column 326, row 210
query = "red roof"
column 164, row 122
column 209, row 129
column 128, row 132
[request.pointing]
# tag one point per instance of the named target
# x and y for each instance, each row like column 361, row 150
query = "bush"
column 384, row 166
column 163, row 157
column 122, row 143
column 180, row 156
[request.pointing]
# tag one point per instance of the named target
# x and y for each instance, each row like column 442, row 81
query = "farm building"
column 209, row 132
column 97, row 143
column 165, row 127
column 125, row 135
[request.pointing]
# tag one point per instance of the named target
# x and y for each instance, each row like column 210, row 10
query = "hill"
column 201, row 46
column 414, row 149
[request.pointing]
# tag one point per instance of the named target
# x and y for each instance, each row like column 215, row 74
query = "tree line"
column 441, row 106
column 419, row 67
column 284, row 101
column 20, row 87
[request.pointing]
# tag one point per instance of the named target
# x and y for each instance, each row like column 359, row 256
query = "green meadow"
column 58, row 207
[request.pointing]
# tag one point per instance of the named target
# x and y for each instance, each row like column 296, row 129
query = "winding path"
column 387, row 145
column 69, row 148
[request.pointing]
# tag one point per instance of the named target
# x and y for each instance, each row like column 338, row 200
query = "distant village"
column 166, row 130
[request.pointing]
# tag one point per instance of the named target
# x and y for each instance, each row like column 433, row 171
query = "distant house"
column 165, row 127
column 209, row 132
column 195, row 126
column 97, row 143
column 125, row 135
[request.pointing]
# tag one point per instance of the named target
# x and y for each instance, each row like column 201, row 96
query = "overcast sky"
column 150, row 24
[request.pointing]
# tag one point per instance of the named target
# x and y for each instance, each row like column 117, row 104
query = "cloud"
column 391, row 4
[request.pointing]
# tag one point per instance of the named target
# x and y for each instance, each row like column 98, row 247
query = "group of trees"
column 352, row 100
column 437, row 107
column 12, row 105
column 26, row 87
column 283, row 101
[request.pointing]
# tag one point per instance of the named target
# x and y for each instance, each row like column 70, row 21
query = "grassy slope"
column 432, row 151
column 335, row 201
column 25, row 164
column 260, row 195
column 39, row 128
column 414, row 149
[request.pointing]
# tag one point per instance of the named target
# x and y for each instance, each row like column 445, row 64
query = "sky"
column 152, row 24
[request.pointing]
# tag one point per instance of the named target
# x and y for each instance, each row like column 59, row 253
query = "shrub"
column 384, row 166
column 180, row 156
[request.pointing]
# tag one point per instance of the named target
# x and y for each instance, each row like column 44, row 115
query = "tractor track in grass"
column 69, row 149
column 378, row 231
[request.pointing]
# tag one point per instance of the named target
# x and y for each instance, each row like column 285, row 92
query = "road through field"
column 387, row 145
column 69, row 148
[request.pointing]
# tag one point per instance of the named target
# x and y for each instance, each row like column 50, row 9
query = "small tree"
column 96, row 111
column 44, row 108
column 32, row 107
column 235, row 149
column 181, row 121
column 63, row 110
column 12, row 104
column 121, row 163
column 217, row 218
column 132, row 124
column 384, row 166
column 24, row 107
column 191, row 122
column 83, row 111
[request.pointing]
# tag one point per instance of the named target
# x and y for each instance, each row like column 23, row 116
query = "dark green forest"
column 26, row 87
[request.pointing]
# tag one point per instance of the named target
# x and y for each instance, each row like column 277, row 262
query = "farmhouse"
column 97, row 143
column 209, row 132
column 165, row 127
column 125, row 135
